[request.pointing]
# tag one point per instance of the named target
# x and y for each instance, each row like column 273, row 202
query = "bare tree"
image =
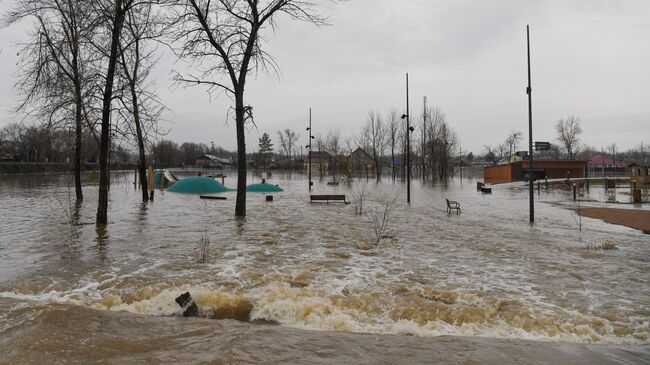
column 641, row 151
column 393, row 126
column 380, row 222
column 37, row 143
column 136, row 61
column 283, row 144
column 501, row 150
column 53, row 69
column 288, row 139
column 436, row 121
column 490, row 155
column 374, row 138
column 513, row 141
column 333, row 146
column 358, row 194
column 320, row 146
column 190, row 151
column 224, row 38
column 165, row 153
column 112, row 13
column 448, row 143
column 568, row 133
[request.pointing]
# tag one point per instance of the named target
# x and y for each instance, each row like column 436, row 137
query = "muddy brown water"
column 296, row 282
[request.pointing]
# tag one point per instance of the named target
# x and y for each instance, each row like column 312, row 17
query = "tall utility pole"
column 309, row 147
column 424, row 139
column 529, row 91
column 408, row 144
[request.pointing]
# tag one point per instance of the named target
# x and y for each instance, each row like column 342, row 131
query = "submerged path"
column 121, row 338
column 637, row 219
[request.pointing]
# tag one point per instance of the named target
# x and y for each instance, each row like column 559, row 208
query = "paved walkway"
column 637, row 219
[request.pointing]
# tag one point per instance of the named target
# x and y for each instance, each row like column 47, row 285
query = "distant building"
column 552, row 169
column 639, row 175
column 361, row 160
column 320, row 161
column 478, row 162
column 211, row 161
column 602, row 166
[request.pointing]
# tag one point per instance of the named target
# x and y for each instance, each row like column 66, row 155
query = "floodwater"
column 294, row 282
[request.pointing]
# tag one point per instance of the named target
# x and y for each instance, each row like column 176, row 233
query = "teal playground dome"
column 263, row 188
column 197, row 185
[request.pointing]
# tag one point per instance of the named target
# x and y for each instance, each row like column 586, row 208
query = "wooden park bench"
column 212, row 197
column 328, row 198
column 453, row 205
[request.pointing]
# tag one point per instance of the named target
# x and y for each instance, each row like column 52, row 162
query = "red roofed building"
column 603, row 166
column 601, row 160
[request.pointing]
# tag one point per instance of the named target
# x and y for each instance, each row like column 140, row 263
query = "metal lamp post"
column 309, row 150
column 529, row 91
column 409, row 129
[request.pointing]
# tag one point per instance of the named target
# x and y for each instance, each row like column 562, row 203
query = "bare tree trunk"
column 104, row 173
column 433, row 161
column 404, row 168
column 142, row 159
column 240, row 205
column 378, row 168
column 77, row 143
column 132, row 80
column 392, row 158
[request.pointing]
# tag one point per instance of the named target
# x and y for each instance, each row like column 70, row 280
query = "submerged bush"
column 202, row 250
column 603, row 246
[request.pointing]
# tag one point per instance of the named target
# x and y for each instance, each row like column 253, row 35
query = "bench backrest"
column 327, row 197
column 448, row 205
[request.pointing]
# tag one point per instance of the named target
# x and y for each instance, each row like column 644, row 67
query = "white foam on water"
column 313, row 309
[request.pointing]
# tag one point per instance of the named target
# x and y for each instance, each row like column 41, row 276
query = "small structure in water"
column 197, row 185
column 263, row 188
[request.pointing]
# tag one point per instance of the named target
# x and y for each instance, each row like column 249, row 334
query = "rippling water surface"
column 485, row 272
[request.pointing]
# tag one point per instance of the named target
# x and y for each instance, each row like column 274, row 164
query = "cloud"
column 590, row 59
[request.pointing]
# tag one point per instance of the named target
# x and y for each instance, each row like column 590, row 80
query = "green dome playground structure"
column 263, row 188
column 197, row 185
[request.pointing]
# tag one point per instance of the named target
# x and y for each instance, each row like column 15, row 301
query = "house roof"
column 600, row 160
column 319, row 154
column 360, row 150
column 635, row 164
column 214, row 158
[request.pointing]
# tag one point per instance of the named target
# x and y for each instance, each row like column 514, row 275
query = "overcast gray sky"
column 590, row 59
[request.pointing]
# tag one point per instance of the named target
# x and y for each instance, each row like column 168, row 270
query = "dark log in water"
column 187, row 303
